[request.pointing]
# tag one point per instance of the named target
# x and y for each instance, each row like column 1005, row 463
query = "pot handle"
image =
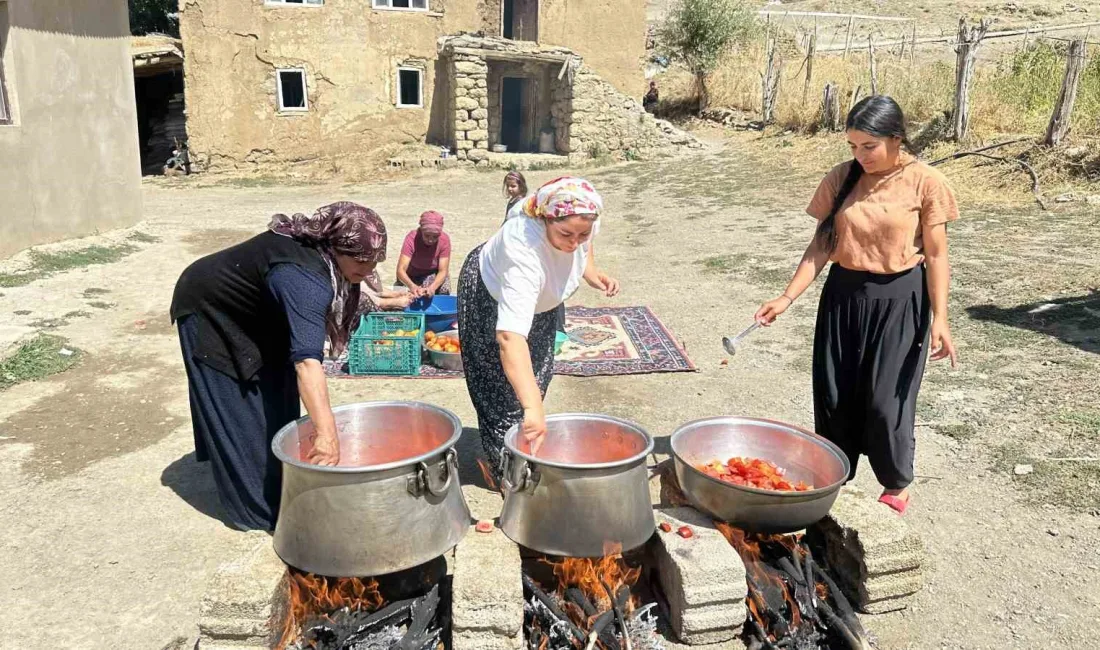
column 526, row 483
column 427, row 480
column 450, row 470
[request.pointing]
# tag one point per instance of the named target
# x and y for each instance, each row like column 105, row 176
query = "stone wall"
column 590, row 117
column 594, row 119
column 470, row 136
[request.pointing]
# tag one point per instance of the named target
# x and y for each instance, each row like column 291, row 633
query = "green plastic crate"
column 370, row 353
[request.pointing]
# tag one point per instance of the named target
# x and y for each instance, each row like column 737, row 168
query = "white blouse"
column 526, row 274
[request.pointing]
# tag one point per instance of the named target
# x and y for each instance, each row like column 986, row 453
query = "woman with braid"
column 882, row 222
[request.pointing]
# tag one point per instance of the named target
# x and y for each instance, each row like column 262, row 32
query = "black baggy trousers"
column 870, row 347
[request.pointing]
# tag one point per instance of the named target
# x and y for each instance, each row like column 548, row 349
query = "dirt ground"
column 110, row 530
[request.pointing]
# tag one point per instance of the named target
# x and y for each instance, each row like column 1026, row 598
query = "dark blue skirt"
column 234, row 423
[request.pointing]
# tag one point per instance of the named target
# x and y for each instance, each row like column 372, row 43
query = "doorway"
column 514, row 94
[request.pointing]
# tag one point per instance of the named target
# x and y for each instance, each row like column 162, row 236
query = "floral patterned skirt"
column 497, row 406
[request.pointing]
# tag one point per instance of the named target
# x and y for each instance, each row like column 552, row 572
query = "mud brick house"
column 276, row 82
column 68, row 127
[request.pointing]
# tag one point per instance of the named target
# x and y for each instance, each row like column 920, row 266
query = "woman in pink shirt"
column 425, row 263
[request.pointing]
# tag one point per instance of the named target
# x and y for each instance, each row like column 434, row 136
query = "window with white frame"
column 406, row 5
column 410, row 88
column 291, row 89
column 308, row 3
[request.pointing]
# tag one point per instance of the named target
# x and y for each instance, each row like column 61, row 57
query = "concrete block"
column 875, row 556
column 894, row 585
column 709, row 624
column 243, row 599
column 702, row 577
column 487, row 591
column 479, row 640
column 886, row 605
column 701, row 570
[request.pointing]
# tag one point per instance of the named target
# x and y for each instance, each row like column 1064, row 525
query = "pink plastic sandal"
column 897, row 504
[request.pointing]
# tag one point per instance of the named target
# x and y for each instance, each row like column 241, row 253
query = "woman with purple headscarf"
column 425, row 263
column 253, row 321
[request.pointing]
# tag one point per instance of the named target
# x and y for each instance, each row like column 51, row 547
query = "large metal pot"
column 392, row 503
column 585, row 494
column 804, row 455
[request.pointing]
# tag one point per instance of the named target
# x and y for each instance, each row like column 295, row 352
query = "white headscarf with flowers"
column 564, row 197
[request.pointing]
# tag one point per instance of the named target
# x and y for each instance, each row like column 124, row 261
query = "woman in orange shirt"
column 882, row 222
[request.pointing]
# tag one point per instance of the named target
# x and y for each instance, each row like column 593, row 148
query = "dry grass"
column 1015, row 94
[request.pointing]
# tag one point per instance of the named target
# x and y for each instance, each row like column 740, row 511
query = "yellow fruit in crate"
column 413, row 333
column 399, row 333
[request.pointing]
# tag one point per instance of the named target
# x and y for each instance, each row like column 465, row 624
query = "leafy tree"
column 154, row 16
column 698, row 33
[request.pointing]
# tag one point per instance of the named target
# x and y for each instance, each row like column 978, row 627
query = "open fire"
column 592, row 605
column 792, row 602
column 325, row 613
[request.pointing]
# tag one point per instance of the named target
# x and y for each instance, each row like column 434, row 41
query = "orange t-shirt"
column 879, row 226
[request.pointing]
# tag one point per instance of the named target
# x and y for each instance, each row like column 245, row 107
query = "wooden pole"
column 830, row 108
column 848, row 37
column 770, row 81
column 810, row 52
column 1063, row 109
column 871, row 60
column 969, row 40
column 857, row 92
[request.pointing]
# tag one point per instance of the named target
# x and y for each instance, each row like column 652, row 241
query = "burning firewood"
column 591, row 608
column 792, row 600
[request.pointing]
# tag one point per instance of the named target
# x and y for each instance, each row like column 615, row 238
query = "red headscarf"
column 431, row 222
column 348, row 229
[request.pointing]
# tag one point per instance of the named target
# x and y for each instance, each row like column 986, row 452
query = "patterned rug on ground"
column 602, row 341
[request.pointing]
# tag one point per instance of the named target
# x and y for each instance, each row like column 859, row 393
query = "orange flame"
column 310, row 596
column 487, row 474
column 588, row 575
column 748, row 547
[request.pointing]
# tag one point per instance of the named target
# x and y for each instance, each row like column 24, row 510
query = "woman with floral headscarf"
column 425, row 263
column 509, row 289
column 253, row 320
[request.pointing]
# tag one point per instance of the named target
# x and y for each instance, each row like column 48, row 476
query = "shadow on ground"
column 1074, row 321
column 470, row 452
column 193, row 482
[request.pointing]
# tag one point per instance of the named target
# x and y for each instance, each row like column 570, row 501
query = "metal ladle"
column 731, row 344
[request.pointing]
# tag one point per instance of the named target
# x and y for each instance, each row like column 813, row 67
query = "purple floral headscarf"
column 348, row 229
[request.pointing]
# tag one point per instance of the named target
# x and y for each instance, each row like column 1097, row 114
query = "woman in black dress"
column 253, row 321
column 882, row 223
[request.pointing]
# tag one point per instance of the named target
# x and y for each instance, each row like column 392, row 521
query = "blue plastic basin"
column 440, row 312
